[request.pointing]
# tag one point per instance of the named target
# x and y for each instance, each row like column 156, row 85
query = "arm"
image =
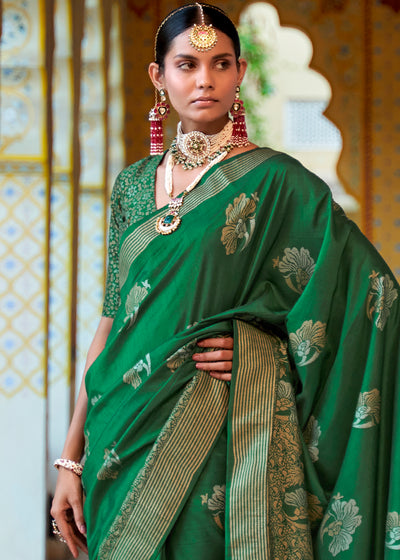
column 67, row 507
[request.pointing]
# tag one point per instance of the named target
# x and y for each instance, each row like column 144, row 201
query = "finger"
column 78, row 516
column 221, row 342
column 67, row 527
column 217, row 366
column 213, row 356
column 222, row 376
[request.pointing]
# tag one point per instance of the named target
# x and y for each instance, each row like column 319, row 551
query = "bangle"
column 76, row 468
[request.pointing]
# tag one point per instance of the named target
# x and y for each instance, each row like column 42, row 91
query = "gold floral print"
column 240, row 222
column 297, row 267
column 340, row 523
column 392, row 540
column 181, row 356
column 289, row 524
column 132, row 376
column 111, row 466
column 308, row 341
column 381, row 295
column 133, row 301
column 368, row 409
column 315, row 509
column 216, row 504
column 311, row 434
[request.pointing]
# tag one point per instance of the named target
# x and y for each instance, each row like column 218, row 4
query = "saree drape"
column 298, row 457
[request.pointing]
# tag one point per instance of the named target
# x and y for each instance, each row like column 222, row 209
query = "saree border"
column 219, row 178
column 159, row 490
column 250, row 426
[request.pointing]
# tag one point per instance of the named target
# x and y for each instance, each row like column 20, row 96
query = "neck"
column 208, row 128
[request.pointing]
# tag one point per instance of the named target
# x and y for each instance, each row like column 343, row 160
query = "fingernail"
column 82, row 529
column 195, row 356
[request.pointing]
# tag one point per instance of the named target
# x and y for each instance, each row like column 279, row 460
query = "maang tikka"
column 158, row 114
column 239, row 131
column 202, row 37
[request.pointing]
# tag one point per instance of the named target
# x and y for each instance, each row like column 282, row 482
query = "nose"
column 204, row 78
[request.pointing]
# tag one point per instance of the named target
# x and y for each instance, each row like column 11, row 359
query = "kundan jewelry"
column 76, row 468
column 202, row 37
column 158, row 113
column 195, row 148
column 56, row 531
column 239, row 133
column 170, row 223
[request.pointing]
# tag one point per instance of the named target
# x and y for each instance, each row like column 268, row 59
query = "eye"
column 223, row 64
column 188, row 65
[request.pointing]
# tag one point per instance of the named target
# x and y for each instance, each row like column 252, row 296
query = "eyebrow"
column 191, row 57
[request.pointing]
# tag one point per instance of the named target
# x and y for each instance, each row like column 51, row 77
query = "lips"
column 204, row 100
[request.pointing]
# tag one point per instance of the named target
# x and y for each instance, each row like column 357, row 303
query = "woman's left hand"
column 218, row 362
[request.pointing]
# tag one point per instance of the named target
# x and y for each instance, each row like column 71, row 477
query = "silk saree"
column 296, row 458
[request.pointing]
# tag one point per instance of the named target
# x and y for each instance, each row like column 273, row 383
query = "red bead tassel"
column 157, row 114
column 156, row 136
column 239, row 131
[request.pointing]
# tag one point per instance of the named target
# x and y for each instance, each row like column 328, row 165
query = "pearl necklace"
column 170, row 223
column 194, row 148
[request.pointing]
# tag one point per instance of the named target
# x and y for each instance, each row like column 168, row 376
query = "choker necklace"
column 195, row 148
column 170, row 223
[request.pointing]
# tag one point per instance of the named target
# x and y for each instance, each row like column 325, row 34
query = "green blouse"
column 132, row 199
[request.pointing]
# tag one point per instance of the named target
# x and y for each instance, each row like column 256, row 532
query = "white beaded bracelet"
column 76, row 468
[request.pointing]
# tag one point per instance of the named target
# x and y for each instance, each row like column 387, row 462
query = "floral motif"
column 381, row 296
column 180, row 356
column 311, row 435
column 393, row 530
column 133, row 301
column 297, row 500
column 110, row 467
column 216, row 504
column 95, row 399
column 308, row 341
column 340, row 523
column 297, row 268
column 315, row 510
column 132, row 377
column 240, row 222
column 368, row 409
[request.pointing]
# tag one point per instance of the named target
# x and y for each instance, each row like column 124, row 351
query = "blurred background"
column 323, row 85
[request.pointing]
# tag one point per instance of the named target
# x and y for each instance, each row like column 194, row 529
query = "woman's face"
column 200, row 85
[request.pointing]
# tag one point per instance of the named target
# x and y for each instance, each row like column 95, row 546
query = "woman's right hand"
column 67, row 510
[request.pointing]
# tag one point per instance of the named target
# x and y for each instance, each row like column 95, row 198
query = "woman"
column 295, row 457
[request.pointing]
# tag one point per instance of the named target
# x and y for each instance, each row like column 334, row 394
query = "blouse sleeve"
column 112, row 294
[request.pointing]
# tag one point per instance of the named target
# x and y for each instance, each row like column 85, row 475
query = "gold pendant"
column 168, row 224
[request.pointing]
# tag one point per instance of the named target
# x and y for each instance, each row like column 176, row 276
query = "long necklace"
column 195, row 148
column 170, row 222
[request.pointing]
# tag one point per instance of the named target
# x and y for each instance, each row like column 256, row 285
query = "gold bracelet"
column 76, row 468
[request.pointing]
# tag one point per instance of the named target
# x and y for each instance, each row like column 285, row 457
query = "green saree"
column 296, row 458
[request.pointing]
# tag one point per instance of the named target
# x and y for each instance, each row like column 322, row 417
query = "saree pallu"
column 298, row 457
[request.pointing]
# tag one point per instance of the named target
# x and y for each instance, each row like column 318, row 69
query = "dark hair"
column 182, row 18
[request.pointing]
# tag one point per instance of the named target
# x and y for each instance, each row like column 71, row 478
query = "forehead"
column 181, row 45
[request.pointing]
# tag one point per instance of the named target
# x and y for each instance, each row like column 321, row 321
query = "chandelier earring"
column 239, row 132
column 158, row 113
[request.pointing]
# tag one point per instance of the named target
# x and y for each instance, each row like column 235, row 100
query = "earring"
column 239, row 131
column 157, row 114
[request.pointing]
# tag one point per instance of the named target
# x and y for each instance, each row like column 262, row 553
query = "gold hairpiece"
column 202, row 37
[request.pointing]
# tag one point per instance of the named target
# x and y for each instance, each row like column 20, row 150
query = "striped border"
column 252, row 417
column 159, row 490
column 222, row 176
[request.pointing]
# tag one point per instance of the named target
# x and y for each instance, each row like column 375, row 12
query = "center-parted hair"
column 183, row 18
